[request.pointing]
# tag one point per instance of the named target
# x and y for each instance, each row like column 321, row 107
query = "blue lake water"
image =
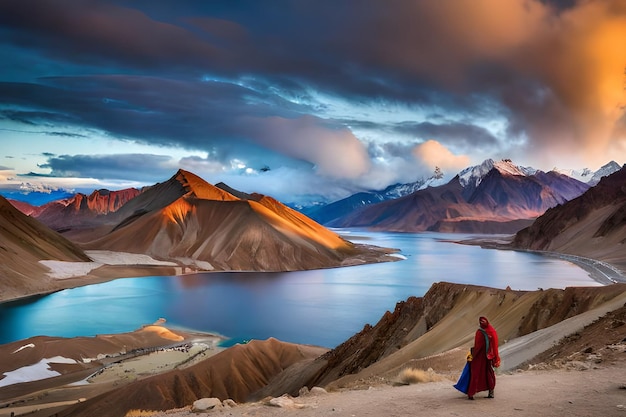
column 319, row 307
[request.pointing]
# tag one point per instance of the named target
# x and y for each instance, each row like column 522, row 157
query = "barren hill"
column 195, row 223
column 24, row 242
column 592, row 225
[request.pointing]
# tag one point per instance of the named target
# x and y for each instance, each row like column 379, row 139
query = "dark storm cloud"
column 142, row 167
column 83, row 31
column 156, row 110
column 545, row 71
column 457, row 135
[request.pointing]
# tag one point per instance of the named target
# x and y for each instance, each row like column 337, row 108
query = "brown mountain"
column 503, row 202
column 188, row 220
column 592, row 225
column 24, row 242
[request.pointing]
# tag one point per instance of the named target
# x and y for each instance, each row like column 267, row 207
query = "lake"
column 320, row 307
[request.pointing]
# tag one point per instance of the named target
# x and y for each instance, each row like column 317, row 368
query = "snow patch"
column 125, row 258
column 66, row 269
column 30, row 345
column 40, row 370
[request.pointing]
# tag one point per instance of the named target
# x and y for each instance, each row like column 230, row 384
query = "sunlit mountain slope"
column 186, row 218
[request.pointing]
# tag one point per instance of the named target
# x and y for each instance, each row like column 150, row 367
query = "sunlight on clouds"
column 335, row 152
column 434, row 154
column 6, row 174
column 580, row 56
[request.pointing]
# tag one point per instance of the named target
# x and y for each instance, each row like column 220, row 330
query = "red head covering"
column 492, row 353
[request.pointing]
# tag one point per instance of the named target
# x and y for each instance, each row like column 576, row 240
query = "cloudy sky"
column 305, row 99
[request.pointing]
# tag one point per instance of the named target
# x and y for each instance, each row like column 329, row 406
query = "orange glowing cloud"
column 434, row 154
column 580, row 55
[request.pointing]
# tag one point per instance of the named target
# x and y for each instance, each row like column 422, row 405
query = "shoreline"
column 600, row 271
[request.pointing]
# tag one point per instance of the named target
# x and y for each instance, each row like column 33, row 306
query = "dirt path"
column 572, row 393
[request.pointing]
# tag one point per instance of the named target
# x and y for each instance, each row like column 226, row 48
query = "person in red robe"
column 485, row 358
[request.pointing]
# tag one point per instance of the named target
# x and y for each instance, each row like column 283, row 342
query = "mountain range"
column 185, row 215
column 325, row 214
column 184, row 221
column 462, row 207
column 198, row 226
column 494, row 197
column 80, row 210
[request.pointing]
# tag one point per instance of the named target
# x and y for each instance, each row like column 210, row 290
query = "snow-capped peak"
column 506, row 166
column 400, row 190
column 590, row 177
column 605, row 170
column 473, row 176
column 582, row 175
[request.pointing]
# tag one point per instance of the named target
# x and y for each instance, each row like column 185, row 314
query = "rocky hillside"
column 445, row 319
column 592, row 225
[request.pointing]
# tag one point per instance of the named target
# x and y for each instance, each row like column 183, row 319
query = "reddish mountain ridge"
column 188, row 220
column 83, row 210
column 24, row 241
column 504, row 201
column 592, row 225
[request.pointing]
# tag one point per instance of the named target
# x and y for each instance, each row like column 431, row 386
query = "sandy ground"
column 152, row 364
column 600, row 391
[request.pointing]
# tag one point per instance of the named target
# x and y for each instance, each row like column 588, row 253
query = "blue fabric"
column 463, row 382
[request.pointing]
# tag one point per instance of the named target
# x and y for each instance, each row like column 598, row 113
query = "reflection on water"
column 320, row 307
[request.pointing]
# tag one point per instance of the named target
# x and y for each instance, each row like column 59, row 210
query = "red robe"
column 484, row 357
